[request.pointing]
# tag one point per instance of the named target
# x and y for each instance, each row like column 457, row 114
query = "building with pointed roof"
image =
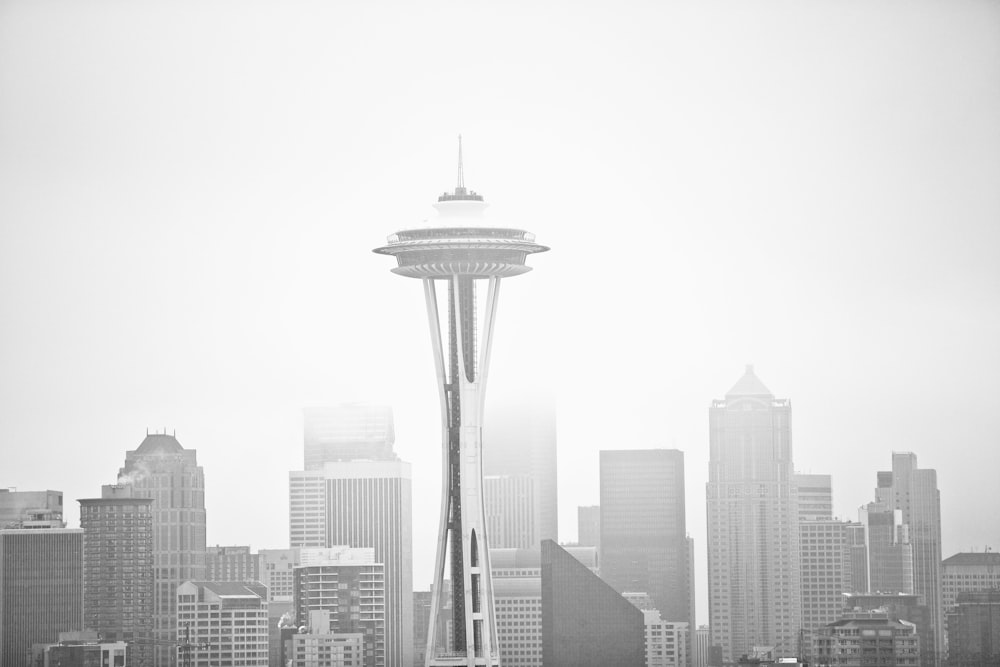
column 162, row 469
column 753, row 539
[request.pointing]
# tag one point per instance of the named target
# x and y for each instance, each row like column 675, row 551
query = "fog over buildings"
column 189, row 195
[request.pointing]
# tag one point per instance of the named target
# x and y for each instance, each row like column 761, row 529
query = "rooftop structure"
column 459, row 251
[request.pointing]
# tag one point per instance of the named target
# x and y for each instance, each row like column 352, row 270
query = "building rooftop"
column 159, row 442
column 973, row 559
column 749, row 385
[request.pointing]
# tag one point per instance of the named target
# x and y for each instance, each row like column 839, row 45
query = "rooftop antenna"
column 461, row 171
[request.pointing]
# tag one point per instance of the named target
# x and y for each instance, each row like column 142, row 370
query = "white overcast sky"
column 190, row 192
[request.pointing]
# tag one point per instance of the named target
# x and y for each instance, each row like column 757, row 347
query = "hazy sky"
column 190, row 192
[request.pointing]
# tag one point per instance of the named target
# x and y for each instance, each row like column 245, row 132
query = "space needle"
column 463, row 255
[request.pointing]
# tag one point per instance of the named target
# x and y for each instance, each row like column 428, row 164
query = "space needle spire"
column 468, row 258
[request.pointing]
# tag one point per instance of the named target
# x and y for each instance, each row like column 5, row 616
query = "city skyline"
column 185, row 236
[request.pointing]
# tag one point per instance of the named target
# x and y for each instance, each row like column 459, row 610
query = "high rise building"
column 222, row 624
column 753, row 537
column 350, row 586
column 460, row 252
column 365, row 504
column 118, row 569
column 348, row 432
column 588, row 526
column 17, row 507
column 644, row 545
column 701, row 646
column 510, row 511
column 277, row 567
column 974, row 629
column 41, row 589
column 421, row 623
column 890, row 554
column 586, row 622
column 913, row 492
column 520, row 436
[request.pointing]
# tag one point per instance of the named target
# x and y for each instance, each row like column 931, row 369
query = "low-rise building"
column 867, row 639
column 222, row 624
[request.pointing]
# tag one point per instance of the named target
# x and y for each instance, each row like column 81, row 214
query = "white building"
column 666, row 641
column 510, row 511
column 320, row 646
column 363, row 504
column 222, row 624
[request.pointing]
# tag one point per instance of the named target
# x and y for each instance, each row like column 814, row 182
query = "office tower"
column 510, row 511
column 588, row 526
column 366, row 504
column 517, row 588
column 521, row 441
column 321, row 646
column 222, row 624
column 815, row 496
column 824, row 571
column 666, row 641
column 753, row 540
column 890, row 554
column 41, row 588
column 17, row 507
column 161, row 469
column 84, row 648
column 235, row 563
column 867, row 639
column 348, row 432
column 421, row 623
column 913, row 491
column 461, row 252
column 644, row 544
column 974, row 629
column 350, row 585
column 857, row 557
column 118, row 569
column 586, row 622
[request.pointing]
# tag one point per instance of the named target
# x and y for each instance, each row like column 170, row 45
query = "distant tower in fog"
column 161, row 469
column 912, row 493
column 522, row 443
column 753, row 540
column 459, row 253
column 588, row 526
column 347, row 432
column 644, row 544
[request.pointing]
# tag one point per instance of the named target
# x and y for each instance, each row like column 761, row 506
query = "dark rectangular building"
column 118, row 569
column 41, row 589
column 643, row 540
column 585, row 622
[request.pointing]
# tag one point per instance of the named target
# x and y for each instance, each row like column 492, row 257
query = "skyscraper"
column 753, row 540
column 643, row 541
column 510, row 511
column 347, row 432
column 161, row 469
column 521, row 437
column 118, row 569
column 588, row 526
column 913, row 491
column 586, row 622
column 365, row 504
column 351, row 586
column 461, row 252
column 41, row 588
